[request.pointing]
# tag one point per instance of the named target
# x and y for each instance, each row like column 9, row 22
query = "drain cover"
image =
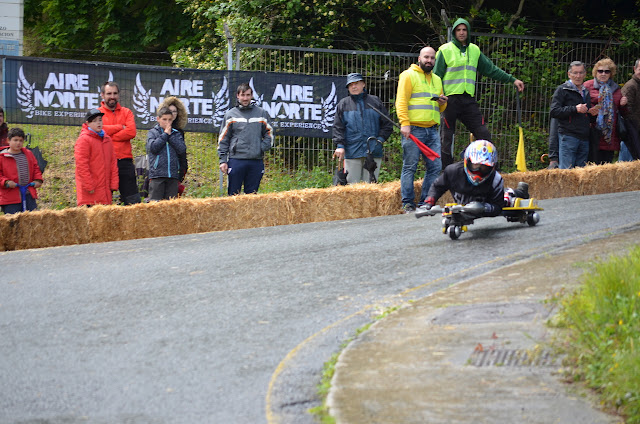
column 492, row 312
column 512, row 358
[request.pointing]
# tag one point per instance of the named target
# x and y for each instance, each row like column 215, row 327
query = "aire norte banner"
column 59, row 92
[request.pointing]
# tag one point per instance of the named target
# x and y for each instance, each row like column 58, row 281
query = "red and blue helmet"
column 480, row 159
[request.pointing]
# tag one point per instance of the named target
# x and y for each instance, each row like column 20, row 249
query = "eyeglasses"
column 604, row 71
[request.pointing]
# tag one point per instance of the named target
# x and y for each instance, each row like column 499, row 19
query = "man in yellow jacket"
column 460, row 63
column 419, row 102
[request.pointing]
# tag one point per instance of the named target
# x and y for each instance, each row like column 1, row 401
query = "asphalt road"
column 234, row 327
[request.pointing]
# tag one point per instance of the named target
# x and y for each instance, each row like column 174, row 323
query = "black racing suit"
column 454, row 178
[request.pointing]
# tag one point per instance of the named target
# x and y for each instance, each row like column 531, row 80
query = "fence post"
column 230, row 68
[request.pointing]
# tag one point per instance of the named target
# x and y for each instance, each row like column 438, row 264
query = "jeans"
column 411, row 156
column 624, row 156
column 247, row 172
column 573, row 151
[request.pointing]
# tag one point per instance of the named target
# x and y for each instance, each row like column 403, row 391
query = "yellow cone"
column 521, row 162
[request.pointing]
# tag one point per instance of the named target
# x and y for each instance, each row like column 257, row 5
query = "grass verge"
column 602, row 341
column 321, row 412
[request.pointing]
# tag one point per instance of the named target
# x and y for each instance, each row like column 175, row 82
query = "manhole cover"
column 512, row 358
column 492, row 312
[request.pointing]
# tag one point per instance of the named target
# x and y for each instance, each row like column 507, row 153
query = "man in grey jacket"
column 245, row 135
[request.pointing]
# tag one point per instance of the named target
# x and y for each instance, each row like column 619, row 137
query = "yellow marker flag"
column 521, row 162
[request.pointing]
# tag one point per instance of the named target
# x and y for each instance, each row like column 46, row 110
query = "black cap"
column 354, row 78
column 92, row 114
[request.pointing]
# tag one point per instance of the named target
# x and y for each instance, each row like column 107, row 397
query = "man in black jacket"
column 570, row 106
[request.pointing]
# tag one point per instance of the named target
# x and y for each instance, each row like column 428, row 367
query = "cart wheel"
column 533, row 218
column 454, row 232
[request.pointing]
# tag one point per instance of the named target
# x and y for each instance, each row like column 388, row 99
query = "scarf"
column 101, row 133
column 604, row 121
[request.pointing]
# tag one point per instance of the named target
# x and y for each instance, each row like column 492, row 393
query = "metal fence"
column 540, row 62
column 381, row 70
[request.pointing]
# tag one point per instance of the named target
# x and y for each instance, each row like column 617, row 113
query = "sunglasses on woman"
column 604, row 71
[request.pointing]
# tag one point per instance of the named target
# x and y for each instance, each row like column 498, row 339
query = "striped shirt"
column 23, row 168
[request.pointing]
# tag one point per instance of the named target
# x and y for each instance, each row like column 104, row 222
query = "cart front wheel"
column 454, row 232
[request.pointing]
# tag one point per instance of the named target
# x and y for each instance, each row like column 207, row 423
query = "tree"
column 107, row 25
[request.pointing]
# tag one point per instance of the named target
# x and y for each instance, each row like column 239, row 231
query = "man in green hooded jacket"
column 458, row 63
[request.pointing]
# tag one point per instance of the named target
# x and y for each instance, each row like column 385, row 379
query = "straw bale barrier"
column 48, row 228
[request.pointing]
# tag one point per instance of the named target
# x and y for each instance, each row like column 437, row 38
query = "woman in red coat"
column 96, row 164
column 18, row 167
column 607, row 100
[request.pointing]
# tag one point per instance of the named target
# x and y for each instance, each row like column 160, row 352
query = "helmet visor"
column 479, row 169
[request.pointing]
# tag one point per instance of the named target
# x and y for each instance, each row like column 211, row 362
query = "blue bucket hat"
column 354, row 78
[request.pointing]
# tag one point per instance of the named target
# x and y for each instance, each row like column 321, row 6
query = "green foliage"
column 280, row 179
column 603, row 322
column 108, row 25
column 359, row 24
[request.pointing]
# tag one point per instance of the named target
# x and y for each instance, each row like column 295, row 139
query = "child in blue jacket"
column 164, row 144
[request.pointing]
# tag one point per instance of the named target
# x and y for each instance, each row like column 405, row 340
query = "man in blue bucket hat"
column 359, row 131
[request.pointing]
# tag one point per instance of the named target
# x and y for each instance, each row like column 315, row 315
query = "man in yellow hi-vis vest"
column 419, row 103
column 458, row 63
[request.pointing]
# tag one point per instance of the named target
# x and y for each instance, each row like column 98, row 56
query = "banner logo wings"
column 141, row 100
column 256, row 97
column 329, row 109
column 24, row 92
column 220, row 103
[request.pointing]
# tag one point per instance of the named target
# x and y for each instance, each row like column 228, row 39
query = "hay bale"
column 143, row 220
column 188, row 216
column 5, row 236
column 46, row 228
column 591, row 179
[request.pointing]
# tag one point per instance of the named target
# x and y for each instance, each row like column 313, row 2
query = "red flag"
column 430, row 154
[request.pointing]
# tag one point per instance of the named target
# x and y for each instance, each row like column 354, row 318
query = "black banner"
column 59, row 92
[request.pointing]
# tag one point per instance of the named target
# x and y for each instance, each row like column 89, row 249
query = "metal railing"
column 540, row 62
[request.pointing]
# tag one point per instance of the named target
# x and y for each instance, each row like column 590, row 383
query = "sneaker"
column 408, row 208
column 522, row 191
column 553, row 165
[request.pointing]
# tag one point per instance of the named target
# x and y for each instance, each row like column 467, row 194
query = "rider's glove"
column 429, row 203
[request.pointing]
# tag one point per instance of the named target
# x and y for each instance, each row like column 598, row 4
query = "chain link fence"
column 541, row 62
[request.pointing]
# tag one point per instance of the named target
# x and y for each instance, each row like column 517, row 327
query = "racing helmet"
column 480, row 159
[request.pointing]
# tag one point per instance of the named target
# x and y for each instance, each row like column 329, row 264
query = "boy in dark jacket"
column 164, row 145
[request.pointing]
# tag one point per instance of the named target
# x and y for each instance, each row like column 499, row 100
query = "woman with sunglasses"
column 607, row 100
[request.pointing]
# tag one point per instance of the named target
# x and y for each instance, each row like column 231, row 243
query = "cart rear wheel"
column 533, row 218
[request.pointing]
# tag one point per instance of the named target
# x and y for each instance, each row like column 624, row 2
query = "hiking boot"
column 522, row 191
column 408, row 208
